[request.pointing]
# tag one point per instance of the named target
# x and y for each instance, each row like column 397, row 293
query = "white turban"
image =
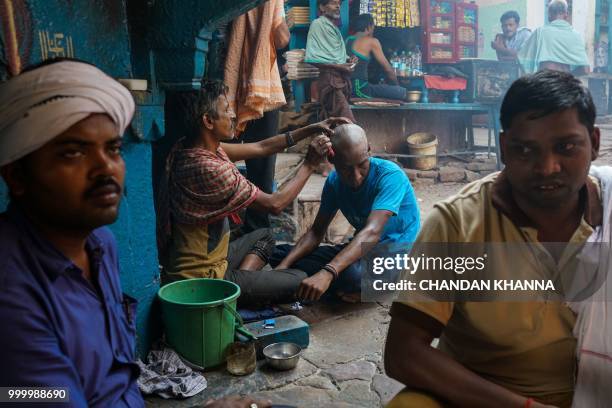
column 39, row 105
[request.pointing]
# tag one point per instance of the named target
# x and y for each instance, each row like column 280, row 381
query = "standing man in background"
column 263, row 24
column 555, row 46
column 325, row 49
column 508, row 43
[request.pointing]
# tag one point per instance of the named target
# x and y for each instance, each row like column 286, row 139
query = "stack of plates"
column 297, row 68
column 298, row 16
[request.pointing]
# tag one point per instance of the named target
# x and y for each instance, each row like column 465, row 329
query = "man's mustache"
column 106, row 183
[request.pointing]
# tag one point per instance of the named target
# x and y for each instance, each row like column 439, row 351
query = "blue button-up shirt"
column 57, row 329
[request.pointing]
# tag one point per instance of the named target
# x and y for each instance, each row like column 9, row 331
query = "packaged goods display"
column 298, row 16
column 392, row 13
column 297, row 68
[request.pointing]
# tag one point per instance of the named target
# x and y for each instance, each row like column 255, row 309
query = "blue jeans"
column 349, row 280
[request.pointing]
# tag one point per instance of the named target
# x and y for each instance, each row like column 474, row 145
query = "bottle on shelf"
column 418, row 57
column 403, row 64
column 395, row 63
column 410, row 64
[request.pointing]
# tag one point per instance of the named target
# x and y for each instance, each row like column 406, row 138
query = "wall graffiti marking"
column 56, row 45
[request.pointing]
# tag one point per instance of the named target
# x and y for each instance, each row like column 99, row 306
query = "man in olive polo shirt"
column 503, row 354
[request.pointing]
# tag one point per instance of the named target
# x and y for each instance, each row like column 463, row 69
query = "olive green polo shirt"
column 526, row 347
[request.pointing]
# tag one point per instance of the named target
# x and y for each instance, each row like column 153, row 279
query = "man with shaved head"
column 377, row 199
column 557, row 45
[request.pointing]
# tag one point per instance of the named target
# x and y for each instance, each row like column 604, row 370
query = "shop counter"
column 388, row 127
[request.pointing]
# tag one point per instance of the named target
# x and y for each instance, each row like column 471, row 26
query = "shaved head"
column 351, row 158
column 349, row 139
column 557, row 9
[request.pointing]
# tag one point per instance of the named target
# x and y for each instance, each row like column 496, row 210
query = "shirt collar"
column 502, row 199
column 55, row 263
column 560, row 23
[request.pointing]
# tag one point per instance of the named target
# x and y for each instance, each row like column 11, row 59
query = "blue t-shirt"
column 385, row 188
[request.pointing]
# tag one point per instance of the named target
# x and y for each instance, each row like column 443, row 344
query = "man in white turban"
column 65, row 320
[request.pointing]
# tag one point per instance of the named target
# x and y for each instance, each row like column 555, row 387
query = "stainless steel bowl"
column 282, row 356
column 413, row 96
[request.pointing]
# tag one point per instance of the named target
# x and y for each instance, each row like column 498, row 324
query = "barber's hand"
column 327, row 126
column 317, row 150
column 313, row 287
column 237, row 402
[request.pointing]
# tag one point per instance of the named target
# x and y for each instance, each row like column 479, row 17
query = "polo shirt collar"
column 55, row 262
column 502, row 200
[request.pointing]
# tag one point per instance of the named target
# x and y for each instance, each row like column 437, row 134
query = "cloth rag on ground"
column 251, row 71
column 167, row 376
column 445, row 84
column 556, row 42
column 41, row 104
column 594, row 321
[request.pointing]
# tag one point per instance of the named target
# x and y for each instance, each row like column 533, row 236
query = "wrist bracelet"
column 289, row 139
column 331, row 270
column 528, row 402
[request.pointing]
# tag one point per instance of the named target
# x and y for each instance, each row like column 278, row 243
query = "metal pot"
column 413, row 96
column 282, row 356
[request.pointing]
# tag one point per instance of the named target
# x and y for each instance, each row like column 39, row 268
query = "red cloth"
column 445, row 84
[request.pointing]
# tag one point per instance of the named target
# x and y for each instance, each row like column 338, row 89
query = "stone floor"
column 343, row 366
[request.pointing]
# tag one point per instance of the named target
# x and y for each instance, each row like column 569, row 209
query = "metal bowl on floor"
column 413, row 96
column 282, row 356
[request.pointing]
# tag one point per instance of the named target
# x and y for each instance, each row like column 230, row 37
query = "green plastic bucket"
column 200, row 318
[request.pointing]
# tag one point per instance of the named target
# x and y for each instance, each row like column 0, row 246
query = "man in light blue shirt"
column 508, row 43
column 377, row 199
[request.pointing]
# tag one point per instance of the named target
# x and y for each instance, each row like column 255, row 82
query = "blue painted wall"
column 92, row 30
column 135, row 234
